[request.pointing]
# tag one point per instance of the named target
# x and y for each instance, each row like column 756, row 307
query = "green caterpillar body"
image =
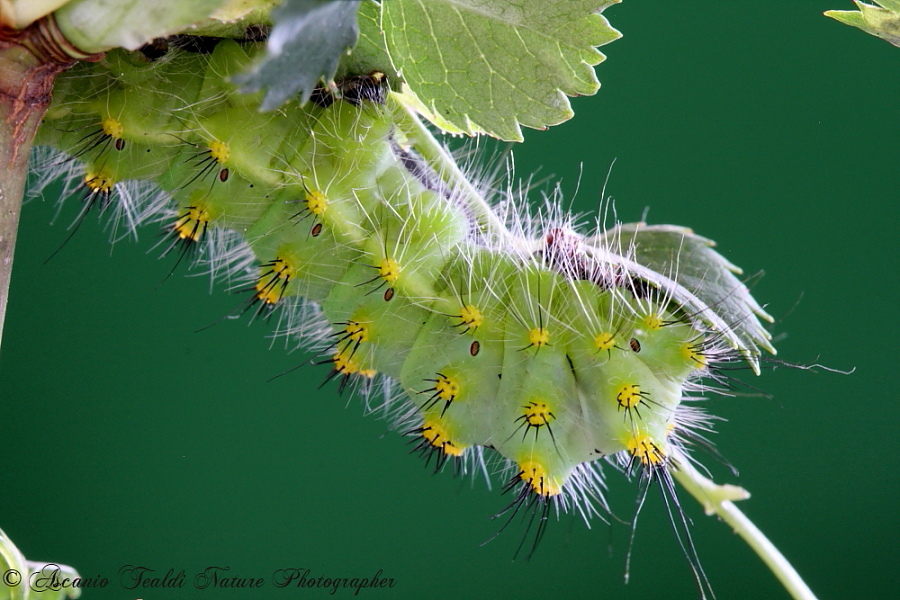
column 552, row 350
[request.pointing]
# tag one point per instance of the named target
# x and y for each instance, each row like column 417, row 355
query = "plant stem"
column 18, row 123
column 718, row 499
column 11, row 188
column 30, row 59
column 440, row 160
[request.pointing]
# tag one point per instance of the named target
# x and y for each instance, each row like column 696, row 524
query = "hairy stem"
column 718, row 499
column 439, row 159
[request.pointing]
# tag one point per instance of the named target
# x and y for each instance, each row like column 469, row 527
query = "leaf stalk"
column 718, row 499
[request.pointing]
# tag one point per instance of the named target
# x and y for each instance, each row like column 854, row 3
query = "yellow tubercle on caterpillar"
column 692, row 352
column 345, row 364
column 389, row 270
column 533, row 472
column 538, row 337
column 113, row 128
column 349, row 340
column 643, row 448
column 470, row 318
column 439, row 436
column 316, row 202
column 192, row 224
column 273, row 280
column 537, row 413
column 604, row 341
column 100, row 181
column 446, row 388
column 653, row 322
column 629, row 396
column 356, row 332
column 219, row 151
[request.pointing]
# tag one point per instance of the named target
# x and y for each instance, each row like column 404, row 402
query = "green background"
column 128, row 438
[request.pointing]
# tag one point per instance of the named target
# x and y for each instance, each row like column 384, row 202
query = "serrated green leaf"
column 883, row 22
column 493, row 65
column 714, row 293
column 306, row 44
column 370, row 53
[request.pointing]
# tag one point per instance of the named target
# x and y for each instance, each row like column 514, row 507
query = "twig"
column 718, row 499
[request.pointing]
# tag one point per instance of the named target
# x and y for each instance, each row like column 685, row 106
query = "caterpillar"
column 512, row 340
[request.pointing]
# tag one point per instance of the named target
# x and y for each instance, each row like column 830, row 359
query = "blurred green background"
column 130, row 439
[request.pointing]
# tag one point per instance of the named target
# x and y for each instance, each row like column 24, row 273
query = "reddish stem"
column 30, row 60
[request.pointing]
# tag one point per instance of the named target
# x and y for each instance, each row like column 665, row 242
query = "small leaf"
column 715, row 294
column 370, row 53
column 99, row 25
column 236, row 10
column 18, row 573
column 882, row 22
column 491, row 66
column 306, row 44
